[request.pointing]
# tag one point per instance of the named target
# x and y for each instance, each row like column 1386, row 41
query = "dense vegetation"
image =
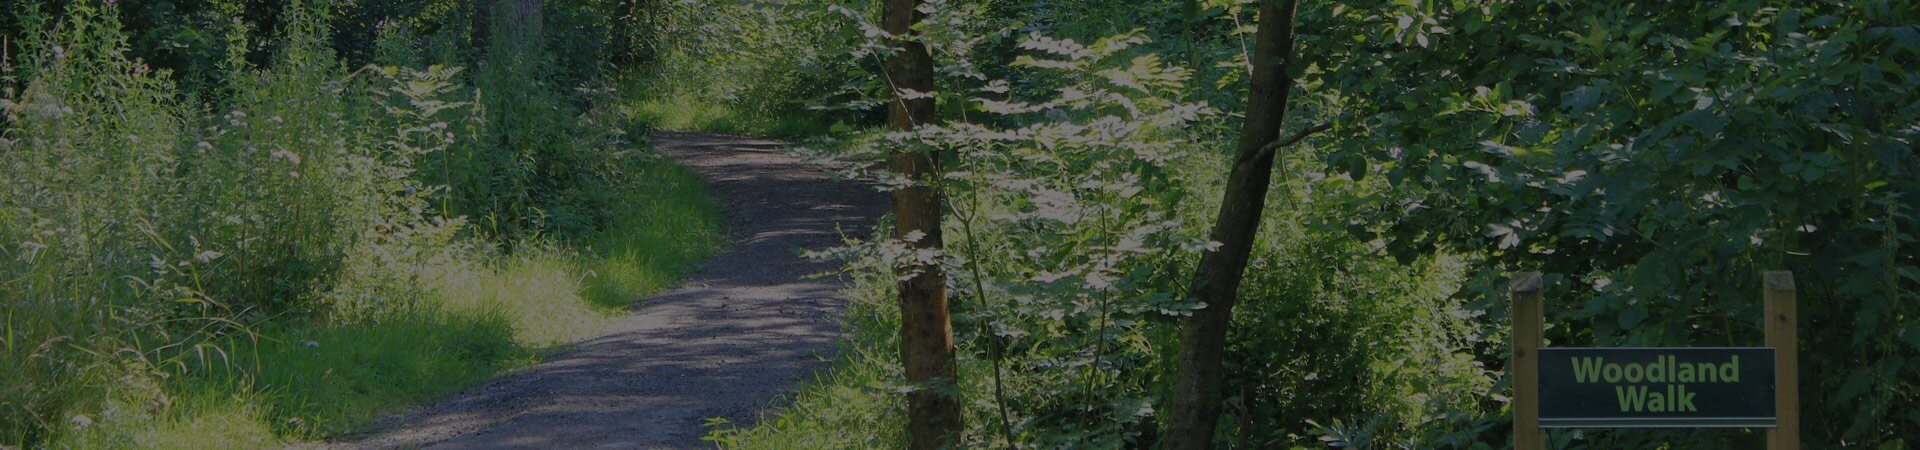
column 262, row 221
column 1651, row 159
column 237, row 223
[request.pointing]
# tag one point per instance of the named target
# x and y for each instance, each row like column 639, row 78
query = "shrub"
column 145, row 241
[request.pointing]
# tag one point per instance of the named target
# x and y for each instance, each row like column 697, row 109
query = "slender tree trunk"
column 1190, row 29
column 521, row 19
column 1196, row 393
column 526, row 15
column 482, row 26
column 926, row 329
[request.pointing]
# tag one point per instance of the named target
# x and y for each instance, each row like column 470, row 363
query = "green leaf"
column 1856, row 383
column 1703, row 120
column 1632, row 316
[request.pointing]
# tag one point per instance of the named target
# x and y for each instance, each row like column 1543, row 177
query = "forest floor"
column 738, row 333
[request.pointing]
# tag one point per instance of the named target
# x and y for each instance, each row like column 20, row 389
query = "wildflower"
column 287, row 155
column 46, row 107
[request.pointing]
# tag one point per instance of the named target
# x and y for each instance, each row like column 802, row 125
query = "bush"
column 154, row 248
column 753, row 68
column 86, row 274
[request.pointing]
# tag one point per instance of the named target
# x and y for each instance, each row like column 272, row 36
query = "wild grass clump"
column 318, row 380
column 691, row 113
column 557, row 292
column 856, row 404
column 84, row 176
column 665, row 224
column 313, row 246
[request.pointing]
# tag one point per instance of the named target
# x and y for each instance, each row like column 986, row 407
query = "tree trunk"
column 1196, row 394
column 527, row 15
column 1190, row 29
column 482, row 26
column 926, row 329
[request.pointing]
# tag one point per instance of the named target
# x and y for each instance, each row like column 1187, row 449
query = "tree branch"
column 1310, row 131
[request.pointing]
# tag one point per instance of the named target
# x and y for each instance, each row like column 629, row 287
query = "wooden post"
column 1782, row 323
column 1528, row 318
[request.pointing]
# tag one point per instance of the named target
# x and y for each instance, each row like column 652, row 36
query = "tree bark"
column 481, row 33
column 1196, row 395
column 926, row 328
column 518, row 19
column 1190, row 29
column 527, row 16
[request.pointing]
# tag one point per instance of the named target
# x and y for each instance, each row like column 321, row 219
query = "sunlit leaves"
column 1674, row 150
column 1063, row 185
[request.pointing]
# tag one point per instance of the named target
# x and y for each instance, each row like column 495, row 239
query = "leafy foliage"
column 1653, row 159
column 1657, row 159
column 155, row 248
column 760, row 65
column 1077, row 187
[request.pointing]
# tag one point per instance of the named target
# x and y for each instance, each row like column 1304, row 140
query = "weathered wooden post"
column 1781, row 325
column 1528, row 319
column 1655, row 387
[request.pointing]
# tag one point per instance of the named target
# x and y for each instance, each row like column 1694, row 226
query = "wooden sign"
column 1656, row 387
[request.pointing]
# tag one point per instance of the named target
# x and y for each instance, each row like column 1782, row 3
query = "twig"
column 1310, row 131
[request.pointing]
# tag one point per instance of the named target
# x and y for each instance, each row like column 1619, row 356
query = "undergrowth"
column 693, row 113
column 853, row 405
column 756, row 68
column 288, row 381
column 305, row 245
column 1078, row 192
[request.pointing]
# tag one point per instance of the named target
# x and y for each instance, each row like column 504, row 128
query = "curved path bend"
column 738, row 333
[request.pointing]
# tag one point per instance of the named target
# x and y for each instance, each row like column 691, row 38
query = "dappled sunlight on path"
column 726, row 342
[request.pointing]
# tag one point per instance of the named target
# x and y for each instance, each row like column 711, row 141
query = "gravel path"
column 737, row 334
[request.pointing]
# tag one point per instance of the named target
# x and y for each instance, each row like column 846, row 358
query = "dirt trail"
column 738, row 333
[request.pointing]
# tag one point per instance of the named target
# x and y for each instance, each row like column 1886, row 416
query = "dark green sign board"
column 1656, row 387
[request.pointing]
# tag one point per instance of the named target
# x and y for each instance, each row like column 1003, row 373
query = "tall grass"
column 669, row 226
column 687, row 112
column 76, row 264
column 315, row 247
column 856, row 404
column 482, row 311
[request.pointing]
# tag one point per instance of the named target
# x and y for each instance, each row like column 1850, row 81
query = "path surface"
column 738, row 333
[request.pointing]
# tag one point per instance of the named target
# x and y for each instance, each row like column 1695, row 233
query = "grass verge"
column 483, row 312
column 856, row 404
column 687, row 113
